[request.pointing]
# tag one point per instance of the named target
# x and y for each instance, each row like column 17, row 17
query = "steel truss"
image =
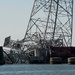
column 50, row 24
column 51, row 20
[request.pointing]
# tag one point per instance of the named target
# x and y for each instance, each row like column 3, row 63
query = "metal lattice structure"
column 51, row 20
column 50, row 24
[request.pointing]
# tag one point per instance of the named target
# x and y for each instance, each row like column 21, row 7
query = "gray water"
column 23, row 69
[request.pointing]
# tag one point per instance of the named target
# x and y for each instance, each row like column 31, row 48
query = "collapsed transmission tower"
column 51, row 20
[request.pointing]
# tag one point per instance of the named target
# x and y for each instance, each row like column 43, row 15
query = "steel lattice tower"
column 51, row 20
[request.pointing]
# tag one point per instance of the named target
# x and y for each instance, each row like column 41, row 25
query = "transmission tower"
column 51, row 20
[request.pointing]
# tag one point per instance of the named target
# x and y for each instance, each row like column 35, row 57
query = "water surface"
column 23, row 69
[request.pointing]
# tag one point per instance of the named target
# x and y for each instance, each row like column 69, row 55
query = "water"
column 24, row 69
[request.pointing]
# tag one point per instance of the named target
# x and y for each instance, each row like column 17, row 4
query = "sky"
column 14, row 17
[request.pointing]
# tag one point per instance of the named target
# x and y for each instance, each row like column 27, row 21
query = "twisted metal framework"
column 50, row 24
column 51, row 20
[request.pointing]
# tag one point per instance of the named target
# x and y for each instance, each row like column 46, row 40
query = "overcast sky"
column 14, row 17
